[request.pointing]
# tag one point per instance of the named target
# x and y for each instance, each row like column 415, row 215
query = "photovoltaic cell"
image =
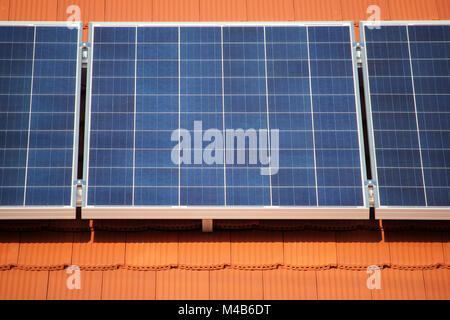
column 38, row 102
column 408, row 69
column 148, row 81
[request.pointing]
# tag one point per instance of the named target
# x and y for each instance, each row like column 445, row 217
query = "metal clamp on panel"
column 85, row 46
column 370, row 187
column 359, row 49
column 80, row 187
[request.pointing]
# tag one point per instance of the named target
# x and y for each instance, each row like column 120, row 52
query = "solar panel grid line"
column 417, row 119
column 312, row 117
column 29, row 120
column 179, row 116
column 134, row 128
column 223, row 119
column 268, row 117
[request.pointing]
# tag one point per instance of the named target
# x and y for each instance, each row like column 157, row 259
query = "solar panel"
column 264, row 119
column 407, row 66
column 39, row 97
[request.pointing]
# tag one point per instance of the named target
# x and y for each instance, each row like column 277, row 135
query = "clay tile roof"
column 129, row 285
column 285, row 284
column 229, row 284
column 9, row 249
column 151, row 250
column 342, row 285
column 91, row 286
column 178, row 284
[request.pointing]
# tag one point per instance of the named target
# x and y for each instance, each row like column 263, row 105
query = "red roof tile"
column 33, row 10
column 23, row 285
column 437, row 284
column 342, row 285
column 130, row 10
column 199, row 250
column 179, row 284
column 443, row 8
column 4, row 10
column 129, row 285
column 400, row 285
column 325, row 10
column 413, row 10
column 256, row 249
column 415, row 248
column 284, row 284
column 356, row 10
column 219, row 10
column 360, row 249
column 106, row 250
column 176, row 10
column 229, row 284
column 9, row 249
column 446, row 247
column 90, row 283
column 151, row 250
column 270, row 10
column 45, row 250
column 307, row 249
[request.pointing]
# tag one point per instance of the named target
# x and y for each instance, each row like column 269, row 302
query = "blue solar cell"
column 38, row 88
column 299, row 80
column 409, row 76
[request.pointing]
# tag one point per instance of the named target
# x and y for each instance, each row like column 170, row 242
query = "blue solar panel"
column 408, row 68
column 38, row 102
column 149, row 81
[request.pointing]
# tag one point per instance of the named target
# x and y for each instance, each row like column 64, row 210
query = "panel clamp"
column 359, row 47
column 370, row 187
column 85, row 48
column 80, row 186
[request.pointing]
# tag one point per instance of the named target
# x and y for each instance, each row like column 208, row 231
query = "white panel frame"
column 393, row 212
column 224, row 212
column 53, row 212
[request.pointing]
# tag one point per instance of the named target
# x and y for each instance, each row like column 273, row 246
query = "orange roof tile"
column 9, row 249
column 413, row 10
column 400, row 285
column 151, row 250
column 356, row 10
column 219, row 10
column 415, row 248
column 308, row 249
column 342, row 285
column 437, row 284
column 325, row 10
column 90, row 282
column 129, row 285
column 45, row 250
column 176, row 10
column 23, row 285
column 229, row 284
column 360, row 249
column 106, row 250
column 130, row 10
column 256, row 249
column 90, row 10
column 443, row 8
column 180, row 284
column 270, row 10
column 33, row 10
column 284, row 284
column 4, row 10
column 446, row 247
column 199, row 250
